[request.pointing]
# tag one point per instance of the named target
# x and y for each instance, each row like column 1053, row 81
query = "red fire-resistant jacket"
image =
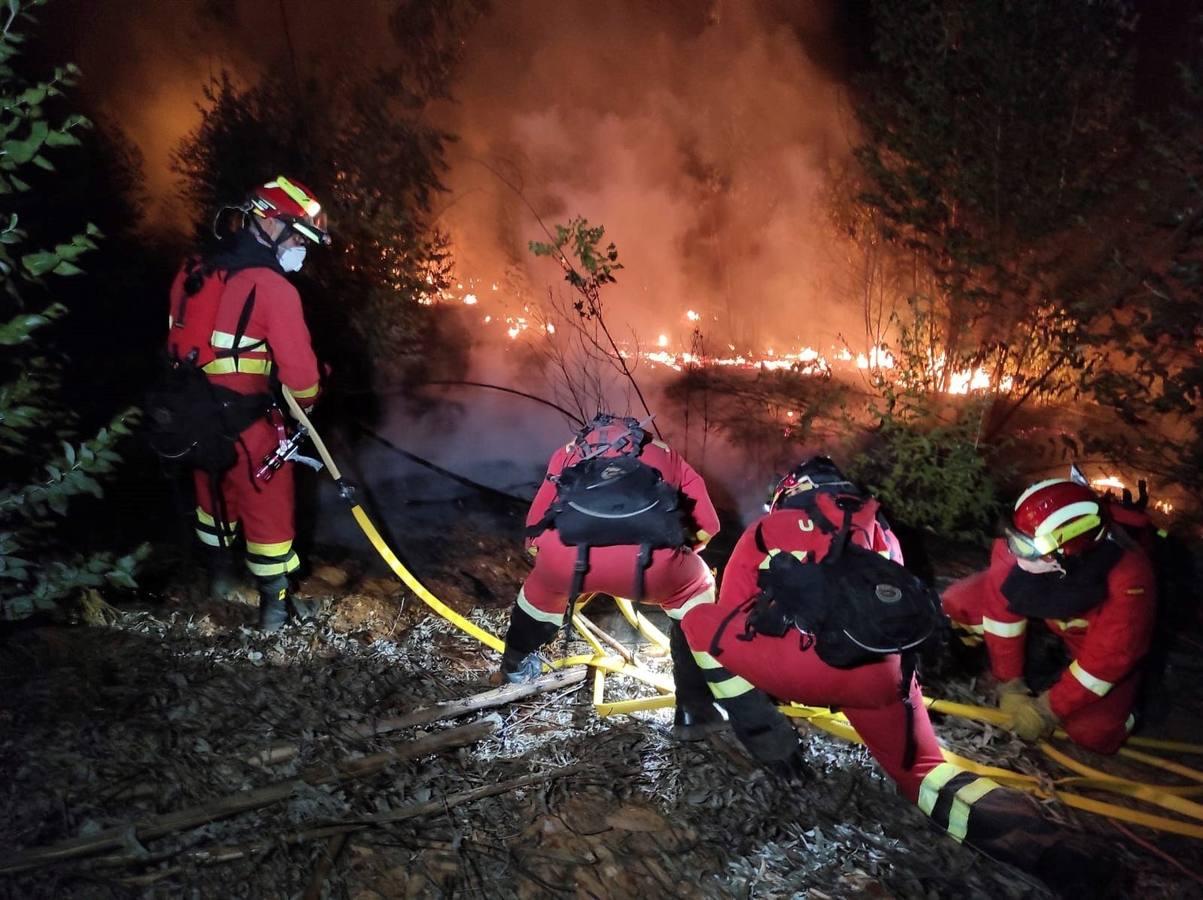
column 674, row 469
column 275, row 337
column 1107, row 642
column 793, row 531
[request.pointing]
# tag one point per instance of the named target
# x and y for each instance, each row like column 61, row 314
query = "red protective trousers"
column 263, row 508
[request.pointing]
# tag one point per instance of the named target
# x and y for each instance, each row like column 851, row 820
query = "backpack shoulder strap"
column 840, row 541
column 244, row 320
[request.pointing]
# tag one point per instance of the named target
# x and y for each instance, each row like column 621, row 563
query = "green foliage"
column 577, row 244
column 46, row 466
column 931, row 476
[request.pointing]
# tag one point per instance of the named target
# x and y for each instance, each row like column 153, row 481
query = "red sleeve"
column 288, row 338
column 739, row 582
column 1004, row 631
column 547, row 489
column 1117, row 639
column 705, row 518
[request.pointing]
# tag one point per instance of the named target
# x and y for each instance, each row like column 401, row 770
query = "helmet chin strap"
column 266, row 238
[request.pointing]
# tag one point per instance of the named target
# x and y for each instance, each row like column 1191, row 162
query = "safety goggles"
column 1027, row 547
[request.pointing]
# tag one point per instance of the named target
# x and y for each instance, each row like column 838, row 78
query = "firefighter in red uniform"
column 749, row 671
column 673, row 578
column 1094, row 587
column 261, row 338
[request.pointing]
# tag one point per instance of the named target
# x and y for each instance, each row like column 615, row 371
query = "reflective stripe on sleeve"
column 1004, row 629
column 702, row 599
column 308, row 392
column 1066, row 624
column 1088, row 681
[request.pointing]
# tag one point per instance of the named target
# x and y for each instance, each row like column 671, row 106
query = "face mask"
column 1041, row 566
column 291, row 258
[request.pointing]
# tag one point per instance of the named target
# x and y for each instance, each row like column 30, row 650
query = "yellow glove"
column 1011, row 695
column 1033, row 718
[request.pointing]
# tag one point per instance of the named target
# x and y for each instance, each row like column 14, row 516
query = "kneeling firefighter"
column 236, row 334
column 816, row 608
column 1066, row 562
column 622, row 514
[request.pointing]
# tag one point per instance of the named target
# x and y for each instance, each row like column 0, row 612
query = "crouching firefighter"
column 621, row 514
column 236, row 333
column 1064, row 561
column 816, row 608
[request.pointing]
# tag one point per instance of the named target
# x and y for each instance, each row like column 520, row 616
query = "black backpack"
column 613, row 501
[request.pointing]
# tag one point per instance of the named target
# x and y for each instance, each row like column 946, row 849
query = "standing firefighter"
column 620, row 514
column 1063, row 562
column 236, row 334
column 815, row 608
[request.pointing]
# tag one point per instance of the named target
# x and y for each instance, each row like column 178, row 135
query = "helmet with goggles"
column 1056, row 516
column 293, row 204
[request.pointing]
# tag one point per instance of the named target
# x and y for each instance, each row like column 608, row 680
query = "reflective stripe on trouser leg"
column 526, row 634
column 722, row 683
column 948, row 793
column 266, row 560
column 678, row 613
column 539, row 615
column 208, row 532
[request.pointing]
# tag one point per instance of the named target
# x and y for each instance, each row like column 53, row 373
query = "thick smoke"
column 701, row 136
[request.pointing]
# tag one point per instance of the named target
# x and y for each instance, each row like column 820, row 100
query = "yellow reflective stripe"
column 966, row 626
column 1065, row 624
column 209, row 538
column 1004, row 629
column 538, row 614
column 204, row 518
column 702, row 599
column 240, row 366
column 1129, row 723
column 731, row 687
column 705, row 660
column 1088, row 510
column 264, row 570
column 277, row 549
column 307, row 392
column 933, row 781
column 1088, row 681
column 962, row 803
column 224, row 340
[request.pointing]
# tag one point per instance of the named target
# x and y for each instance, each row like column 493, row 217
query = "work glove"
column 1011, row 695
column 1032, row 719
column 793, row 768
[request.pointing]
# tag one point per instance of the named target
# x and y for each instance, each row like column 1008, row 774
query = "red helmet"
column 1056, row 516
column 292, row 203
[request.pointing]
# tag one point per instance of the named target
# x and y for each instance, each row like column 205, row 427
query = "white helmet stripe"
column 1064, row 514
column 1040, row 485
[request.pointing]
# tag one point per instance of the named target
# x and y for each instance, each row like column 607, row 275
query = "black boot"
column 273, row 603
column 698, row 723
column 223, row 573
column 696, row 716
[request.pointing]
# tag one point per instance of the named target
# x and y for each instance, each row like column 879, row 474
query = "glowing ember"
column 550, row 328
column 662, row 341
column 1108, row 481
column 692, row 316
column 470, row 299
column 512, row 331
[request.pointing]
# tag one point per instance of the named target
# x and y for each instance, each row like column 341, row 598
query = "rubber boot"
column 303, row 610
column 223, row 574
column 696, row 716
column 273, row 603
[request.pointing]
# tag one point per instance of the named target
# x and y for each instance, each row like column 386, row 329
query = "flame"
column 469, row 299
column 691, row 315
column 662, row 341
column 1108, row 481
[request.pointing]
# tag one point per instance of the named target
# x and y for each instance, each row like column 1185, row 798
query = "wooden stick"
column 510, row 693
column 222, row 807
column 416, row 810
column 607, row 638
column 334, row 846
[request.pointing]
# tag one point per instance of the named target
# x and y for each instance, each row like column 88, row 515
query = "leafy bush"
column 45, row 464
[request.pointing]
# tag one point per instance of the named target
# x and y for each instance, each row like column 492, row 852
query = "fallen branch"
column 449, row 710
column 429, row 807
column 334, row 846
column 133, row 833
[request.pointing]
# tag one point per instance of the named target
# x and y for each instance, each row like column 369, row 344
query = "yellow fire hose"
column 1174, row 798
